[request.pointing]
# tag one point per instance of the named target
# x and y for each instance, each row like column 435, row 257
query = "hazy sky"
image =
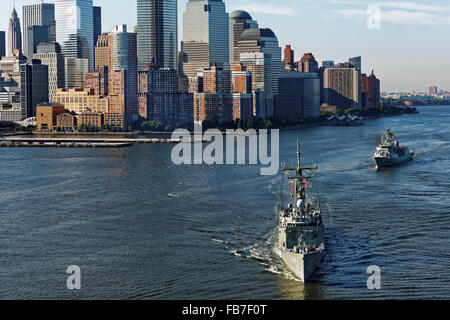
column 410, row 50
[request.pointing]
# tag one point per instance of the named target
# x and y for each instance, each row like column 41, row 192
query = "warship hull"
column 302, row 265
column 389, row 162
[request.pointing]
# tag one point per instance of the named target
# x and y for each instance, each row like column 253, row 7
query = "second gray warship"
column 390, row 152
column 301, row 230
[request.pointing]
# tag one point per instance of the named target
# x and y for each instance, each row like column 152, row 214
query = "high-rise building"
column 342, row 87
column 217, row 80
column 14, row 34
column 289, row 56
column 265, row 41
column 242, row 79
column 34, row 86
column 327, row 64
column 75, row 29
column 308, row 63
column 75, row 69
column 50, row 54
column 298, row 97
column 260, row 66
column 205, row 36
column 102, row 51
column 242, row 94
column 117, row 50
column 10, row 68
column 39, row 15
column 2, row 44
column 356, row 62
column 370, row 92
column 97, row 23
column 160, row 100
column 215, row 103
column 53, row 31
column 97, row 81
column 36, row 35
column 239, row 22
column 123, row 67
column 157, row 36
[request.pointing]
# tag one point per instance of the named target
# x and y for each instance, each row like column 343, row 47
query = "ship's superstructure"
column 301, row 229
column 390, row 152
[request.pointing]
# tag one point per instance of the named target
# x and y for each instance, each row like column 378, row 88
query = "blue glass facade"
column 157, row 39
column 75, row 28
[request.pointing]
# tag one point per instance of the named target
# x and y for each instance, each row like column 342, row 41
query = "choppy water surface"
column 142, row 228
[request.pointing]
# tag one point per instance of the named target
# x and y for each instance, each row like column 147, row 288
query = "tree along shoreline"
column 143, row 126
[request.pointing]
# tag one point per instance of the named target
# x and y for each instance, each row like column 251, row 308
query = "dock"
column 37, row 142
column 63, row 145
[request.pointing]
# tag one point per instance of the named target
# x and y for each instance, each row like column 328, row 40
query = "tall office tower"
column 14, row 34
column 298, row 97
column 75, row 69
column 205, row 36
column 263, row 40
column 36, row 35
column 97, row 23
column 157, row 36
column 289, row 56
column 370, row 92
column 102, row 51
column 53, row 31
column 308, row 63
column 2, row 44
column 50, row 54
column 356, row 62
column 342, row 87
column 75, row 28
column 123, row 61
column 260, row 65
column 239, row 22
column 40, row 15
column 34, row 86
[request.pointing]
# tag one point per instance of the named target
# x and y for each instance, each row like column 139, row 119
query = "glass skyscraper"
column 41, row 14
column 263, row 40
column 157, row 33
column 97, row 23
column 75, row 28
column 205, row 35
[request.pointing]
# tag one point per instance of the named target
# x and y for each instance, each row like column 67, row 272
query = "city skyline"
column 337, row 29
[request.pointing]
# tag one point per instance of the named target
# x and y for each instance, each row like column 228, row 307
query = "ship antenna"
column 298, row 154
column 281, row 189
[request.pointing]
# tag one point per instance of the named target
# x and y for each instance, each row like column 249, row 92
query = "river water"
column 140, row 227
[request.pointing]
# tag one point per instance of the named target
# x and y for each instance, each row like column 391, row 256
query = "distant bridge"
column 30, row 122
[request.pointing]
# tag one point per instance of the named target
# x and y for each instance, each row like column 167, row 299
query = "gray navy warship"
column 390, row 152
column 301, row 230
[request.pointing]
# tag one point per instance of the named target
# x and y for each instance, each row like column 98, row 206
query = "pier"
column 78, row 142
